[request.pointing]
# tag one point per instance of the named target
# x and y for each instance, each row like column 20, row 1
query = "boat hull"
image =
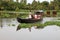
column 28, row 20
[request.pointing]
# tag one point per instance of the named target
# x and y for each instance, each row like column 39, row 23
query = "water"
column 9, row 22
column 50, row 19
column 47, row 33
column 8, row 32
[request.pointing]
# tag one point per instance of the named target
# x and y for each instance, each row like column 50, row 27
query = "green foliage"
column 14, row 15
column 53, row 23
column 39, row 25
column 13, row 24
column 17, row 9
column 45, row 5
column 12, row 6
column 58, row 13
column 9, row 24
column 24, row 25
column 5, row 15
column 58, row 19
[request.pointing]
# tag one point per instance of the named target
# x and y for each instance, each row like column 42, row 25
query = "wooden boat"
column 20, row 20
column 33, row 19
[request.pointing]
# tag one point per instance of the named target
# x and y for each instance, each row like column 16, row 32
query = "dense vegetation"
column 12, row 6
column 23, row 7
column 39, row 25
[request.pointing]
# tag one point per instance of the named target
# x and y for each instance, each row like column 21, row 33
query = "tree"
column 24, row 1
column 34, row 5
column 45, row 5
column 17, row 0
column 52, row 5
column 57, row 4
column 38, row 7
column 29, row 6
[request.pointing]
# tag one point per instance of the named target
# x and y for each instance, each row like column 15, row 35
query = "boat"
column 37, row 14
column 21, row 20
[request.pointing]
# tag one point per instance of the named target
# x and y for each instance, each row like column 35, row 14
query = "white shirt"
column 35, row 16
column 30, row 16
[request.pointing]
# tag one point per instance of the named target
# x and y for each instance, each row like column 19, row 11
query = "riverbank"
column 23, row 14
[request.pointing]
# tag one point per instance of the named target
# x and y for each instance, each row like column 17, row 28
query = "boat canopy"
column 39, row 11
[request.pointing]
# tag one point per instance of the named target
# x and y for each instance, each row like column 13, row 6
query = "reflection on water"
column 50, row 19
column 8, row 32
column 9, row 22
column 47, row 33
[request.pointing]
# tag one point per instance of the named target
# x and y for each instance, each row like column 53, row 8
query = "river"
column 9, row 26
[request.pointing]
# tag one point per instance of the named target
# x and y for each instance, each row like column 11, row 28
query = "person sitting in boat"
column 30, row 16
column 34, row 16
column 37, row 16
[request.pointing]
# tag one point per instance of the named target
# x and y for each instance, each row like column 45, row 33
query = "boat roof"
column 39, row 11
